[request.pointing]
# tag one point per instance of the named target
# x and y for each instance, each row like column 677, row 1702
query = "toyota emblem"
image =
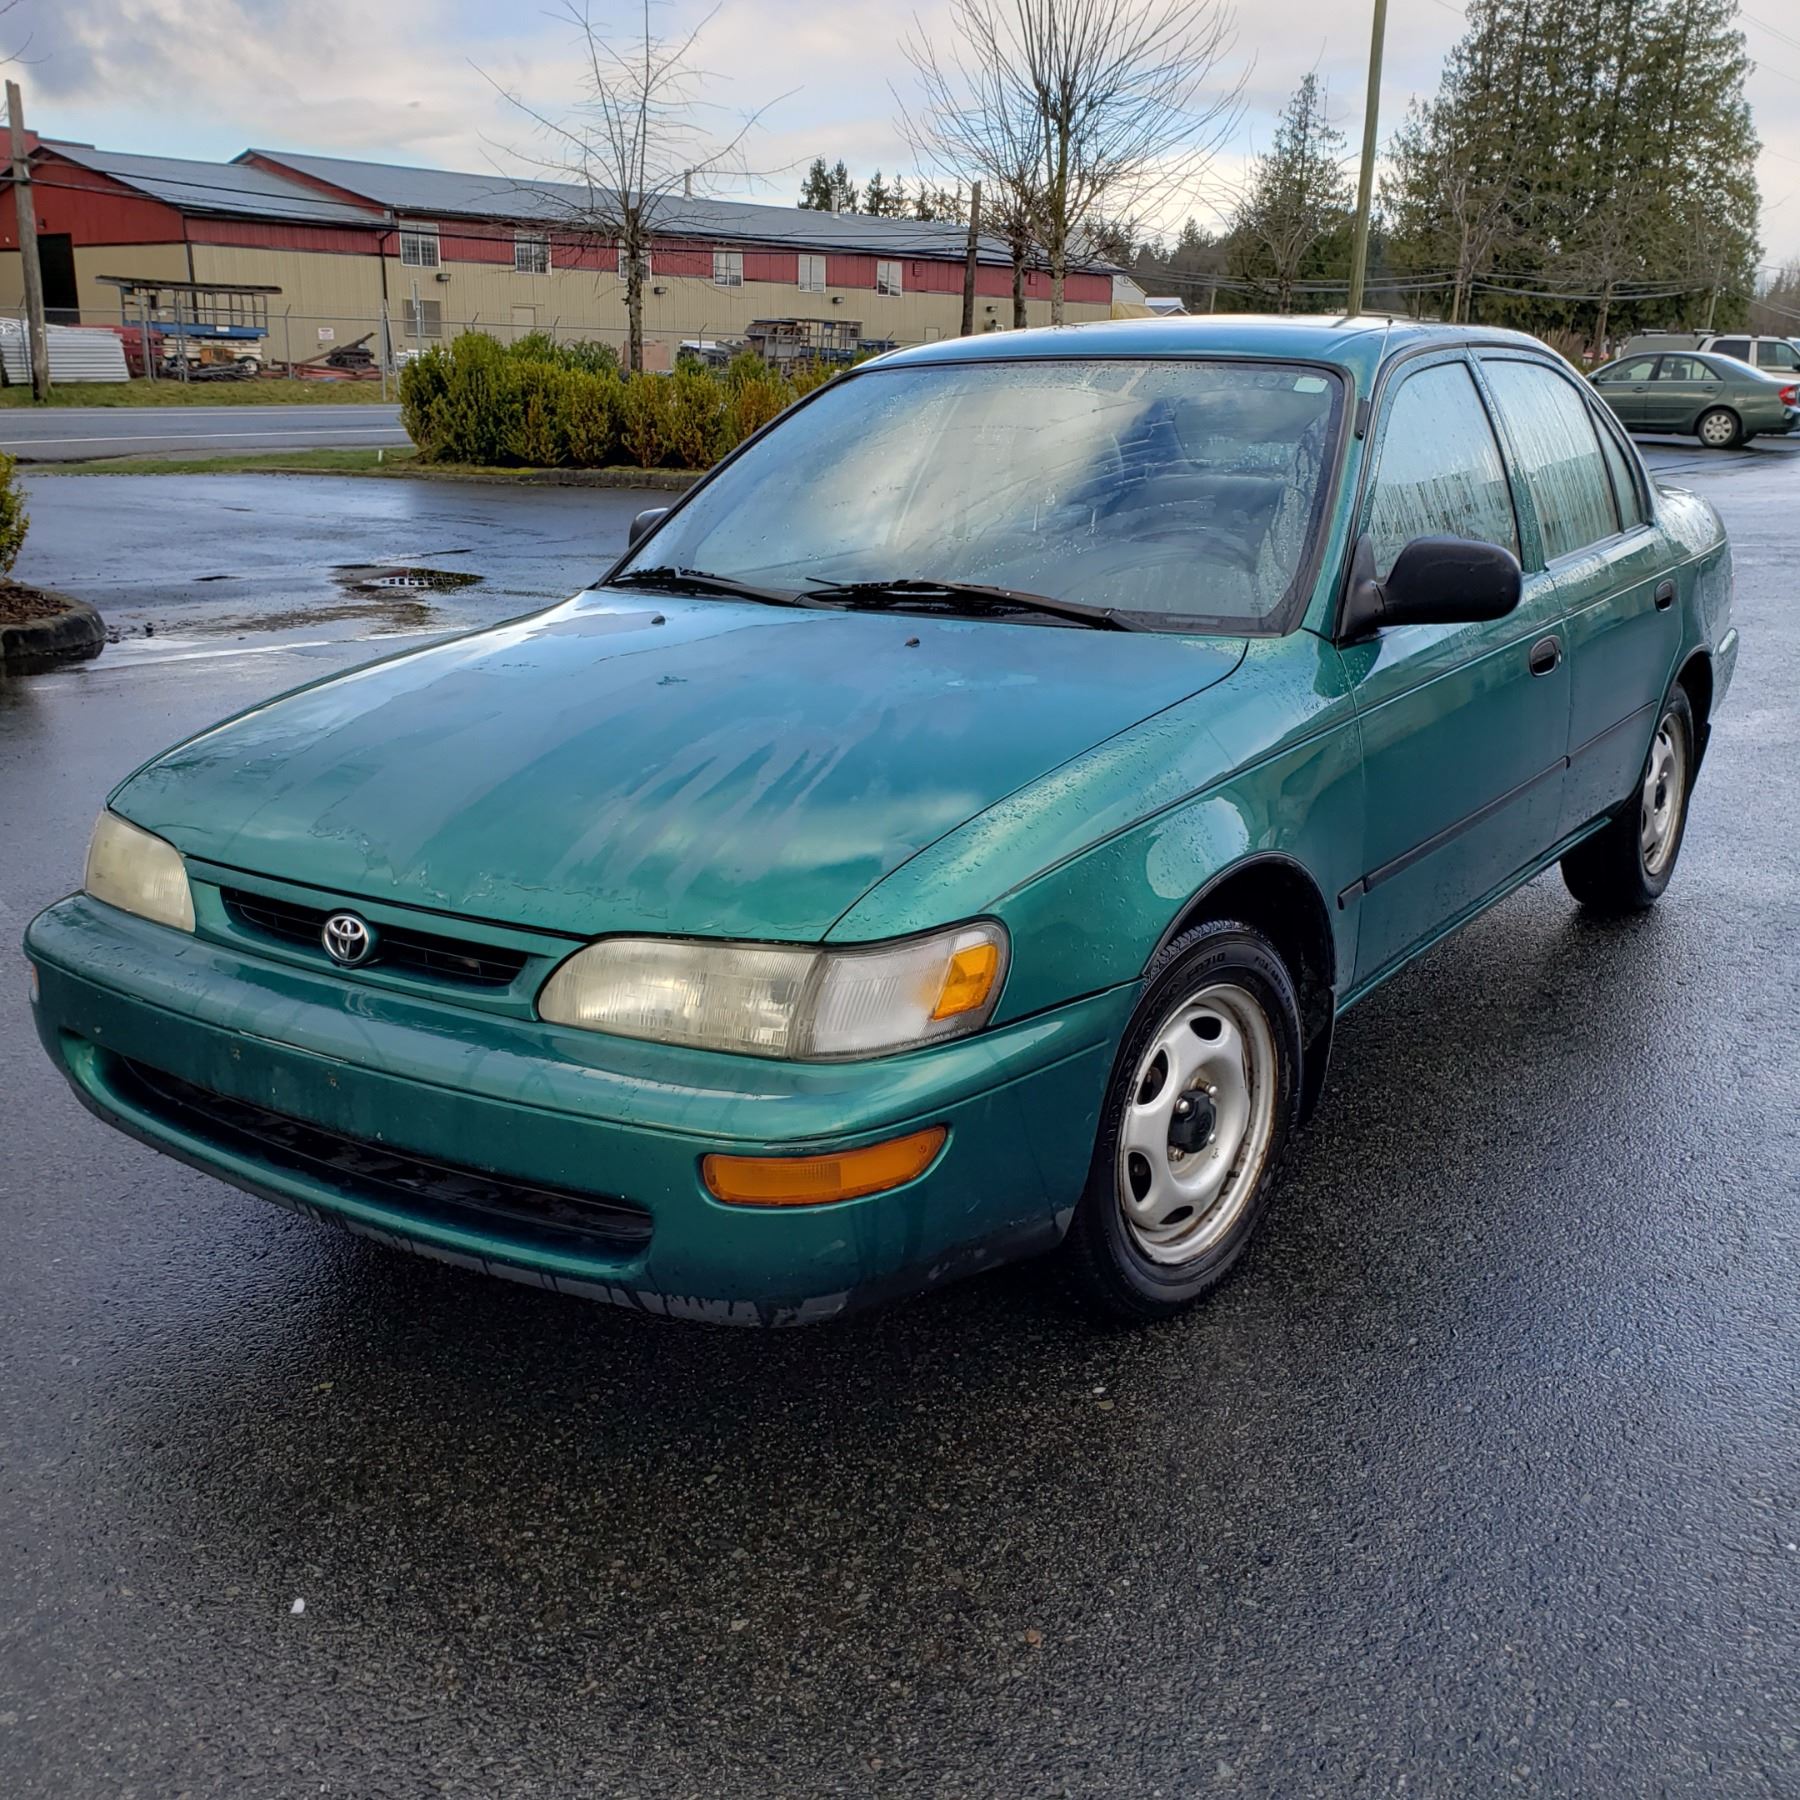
column 347, row 939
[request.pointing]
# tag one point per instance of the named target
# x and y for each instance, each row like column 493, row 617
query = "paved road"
column 82, row 433
column 1483, row 1478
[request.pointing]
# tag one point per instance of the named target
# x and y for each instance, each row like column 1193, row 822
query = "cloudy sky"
column 417, row 80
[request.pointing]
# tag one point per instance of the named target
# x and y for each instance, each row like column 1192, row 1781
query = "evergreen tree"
column 1585, row 165
column 828, row 190
column 815, row 191
column 1294, row 221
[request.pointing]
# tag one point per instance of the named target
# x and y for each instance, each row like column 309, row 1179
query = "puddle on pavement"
column 366, row 578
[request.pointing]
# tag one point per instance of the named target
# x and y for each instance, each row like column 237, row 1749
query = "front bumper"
column 578, row 1112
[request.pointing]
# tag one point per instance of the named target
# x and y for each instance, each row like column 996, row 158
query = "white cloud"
column 408, row 80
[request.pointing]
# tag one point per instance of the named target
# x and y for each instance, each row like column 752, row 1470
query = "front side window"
column 1773, row 354
column 1173, row 489
column 1440, row 473
column 419, row 246
column 728, row 268
column 531, row 253
column 887, row 277
column 812, row 274
column 1557, row 455
column 1640, row 368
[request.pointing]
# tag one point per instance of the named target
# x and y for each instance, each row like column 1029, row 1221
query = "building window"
column 423, row 318
column 812, row 274
column 419, row 246
column 643, row 265
column 531, row 253
column 887, row 278
column 728, row 268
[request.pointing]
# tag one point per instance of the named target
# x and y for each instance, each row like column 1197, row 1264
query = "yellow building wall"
column 99, row 305
column 343, row 296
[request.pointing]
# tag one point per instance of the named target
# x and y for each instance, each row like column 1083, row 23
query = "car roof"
column 1361, row 343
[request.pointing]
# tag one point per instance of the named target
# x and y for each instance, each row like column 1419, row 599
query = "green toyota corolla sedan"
column 950, row 833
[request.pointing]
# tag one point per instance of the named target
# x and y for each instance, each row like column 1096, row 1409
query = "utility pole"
column 1365, row 179
column 37, row 340
column 968, row 318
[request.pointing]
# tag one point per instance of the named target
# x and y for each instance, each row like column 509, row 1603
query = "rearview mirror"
column 651, row 515
column 1434, row 581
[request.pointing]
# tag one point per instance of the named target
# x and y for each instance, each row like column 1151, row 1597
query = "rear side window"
column 1558, row 455
column 1440, row 473
column 1685, row 368
column 1738, row 347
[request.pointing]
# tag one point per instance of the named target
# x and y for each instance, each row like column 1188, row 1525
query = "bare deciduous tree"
column 1070, row 109
column 633, row 145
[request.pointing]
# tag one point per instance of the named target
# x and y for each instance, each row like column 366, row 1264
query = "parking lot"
column 1482, row 1477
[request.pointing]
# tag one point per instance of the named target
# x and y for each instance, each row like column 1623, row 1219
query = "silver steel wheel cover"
column 1665, row 793
column 1716, row 428
column 1217, row 1044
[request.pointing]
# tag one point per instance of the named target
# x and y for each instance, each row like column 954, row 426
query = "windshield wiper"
column 981, row 601
column 699, row 582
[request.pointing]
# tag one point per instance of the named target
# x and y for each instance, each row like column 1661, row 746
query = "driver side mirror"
column 1434, row 581
column 649, row 517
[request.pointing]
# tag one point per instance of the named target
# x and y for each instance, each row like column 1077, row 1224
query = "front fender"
column 1089, row 867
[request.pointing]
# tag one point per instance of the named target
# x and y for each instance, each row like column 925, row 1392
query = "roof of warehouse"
column 216, row 187
column 435, row 193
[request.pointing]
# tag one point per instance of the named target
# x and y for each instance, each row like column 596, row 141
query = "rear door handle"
column 1546, row 653
column 1665, row 595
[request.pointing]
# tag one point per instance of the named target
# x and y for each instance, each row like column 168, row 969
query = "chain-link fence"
column 354, row 346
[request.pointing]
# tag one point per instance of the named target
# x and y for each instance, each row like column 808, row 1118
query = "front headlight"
column 138, row 873
column 774, row 1000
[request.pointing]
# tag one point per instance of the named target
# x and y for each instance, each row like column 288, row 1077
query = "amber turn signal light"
column 967, row 980
column 818, row 1180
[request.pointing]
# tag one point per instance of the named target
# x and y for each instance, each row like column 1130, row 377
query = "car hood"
column 687, row 766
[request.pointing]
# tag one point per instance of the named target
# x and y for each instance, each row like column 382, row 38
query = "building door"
column 56, row 257
column 524, row 321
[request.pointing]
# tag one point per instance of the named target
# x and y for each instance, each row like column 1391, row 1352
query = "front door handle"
column 1546, row 653
column 1665, row 595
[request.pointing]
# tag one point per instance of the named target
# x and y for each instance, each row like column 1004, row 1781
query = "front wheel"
column 1625, row 866
column 1720, row 429
column 1202, row 1100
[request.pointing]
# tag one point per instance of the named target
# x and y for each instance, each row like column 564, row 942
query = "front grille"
column 357, row 1167
column 397, row 947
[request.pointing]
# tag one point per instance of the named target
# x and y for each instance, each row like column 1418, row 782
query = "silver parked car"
column 1719, row 400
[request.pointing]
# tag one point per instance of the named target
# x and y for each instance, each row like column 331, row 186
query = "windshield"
column 1185, row 490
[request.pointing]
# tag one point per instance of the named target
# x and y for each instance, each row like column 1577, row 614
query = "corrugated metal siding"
column 75, row 354
column 91, row 209
column 250, row 234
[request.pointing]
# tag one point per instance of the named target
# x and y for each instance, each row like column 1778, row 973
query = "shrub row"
column 538, row 404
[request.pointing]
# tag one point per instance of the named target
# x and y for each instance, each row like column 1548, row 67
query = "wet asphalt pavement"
column 79, row 433
column 1483, row 1477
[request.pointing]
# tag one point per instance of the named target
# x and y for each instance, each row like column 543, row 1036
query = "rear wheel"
column 1720, row 429
column 1199, row 1111
column 1625, row 867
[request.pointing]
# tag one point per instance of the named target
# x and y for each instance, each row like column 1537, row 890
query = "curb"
column 73, row 635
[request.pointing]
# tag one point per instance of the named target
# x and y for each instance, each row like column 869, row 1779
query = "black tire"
column 1608, row 873
column 1729, row 432
column 1107, row 1269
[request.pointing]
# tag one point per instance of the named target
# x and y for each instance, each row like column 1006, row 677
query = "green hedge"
column 538, row 404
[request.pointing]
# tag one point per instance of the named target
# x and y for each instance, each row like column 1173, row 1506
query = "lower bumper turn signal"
column 818, row 1180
